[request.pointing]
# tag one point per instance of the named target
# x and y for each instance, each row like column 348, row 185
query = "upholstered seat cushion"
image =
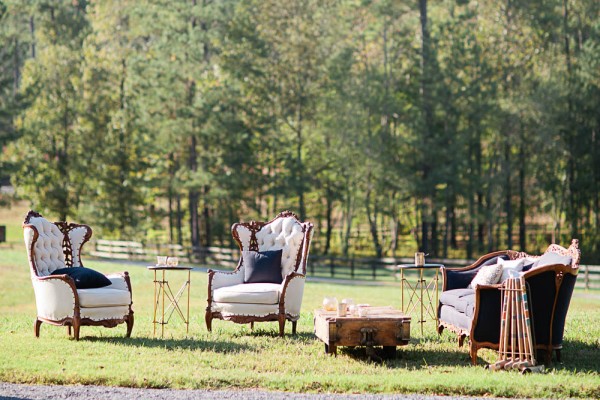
column 255, row 293
column 463, row 300
column 103, row 297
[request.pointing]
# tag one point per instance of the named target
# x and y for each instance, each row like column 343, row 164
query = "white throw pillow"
column 487, row 275
column 511, row 268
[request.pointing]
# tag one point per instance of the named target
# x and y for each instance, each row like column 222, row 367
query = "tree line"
column 456, row 127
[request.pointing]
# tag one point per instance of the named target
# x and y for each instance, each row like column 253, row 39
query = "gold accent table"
column 162, row 289
column 420, row 291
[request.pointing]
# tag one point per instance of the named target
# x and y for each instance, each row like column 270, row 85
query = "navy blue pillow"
column 262, row 266
column 84, row 278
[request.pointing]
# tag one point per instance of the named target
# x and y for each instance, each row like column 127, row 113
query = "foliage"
column 456, row 127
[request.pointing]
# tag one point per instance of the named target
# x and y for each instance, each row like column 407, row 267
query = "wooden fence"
column 318, row 265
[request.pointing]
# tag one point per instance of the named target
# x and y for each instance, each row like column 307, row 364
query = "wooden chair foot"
column 281, row 325
column 36, row 327
column 208, row 318
column 76, row 327
column 129, row 325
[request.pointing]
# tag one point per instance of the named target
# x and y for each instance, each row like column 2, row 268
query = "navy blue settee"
column 475, row 313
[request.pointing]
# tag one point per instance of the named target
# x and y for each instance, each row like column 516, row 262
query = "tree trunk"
column 328, row 217
column 348, row 219
column 508, row 199
column 207, row 221
column 171, row 172
column 471, row 227
column 16, row 69
column 434, row 234
column 179, row 216
column 572, row 206
column 124, row 218
column 193, row 198
column 522, row 193
column 300, row 166
column 427, row 115
column 32, row 31
column 372, row 217
column 395, row 225
column 424, row 229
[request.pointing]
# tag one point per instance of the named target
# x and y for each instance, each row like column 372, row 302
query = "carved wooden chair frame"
column 76, row 321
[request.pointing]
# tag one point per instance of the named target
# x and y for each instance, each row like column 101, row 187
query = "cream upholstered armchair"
column 232, row 296
column 54, row 246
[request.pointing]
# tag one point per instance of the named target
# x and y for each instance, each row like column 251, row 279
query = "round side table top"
column 166, row 267
column 409, row 266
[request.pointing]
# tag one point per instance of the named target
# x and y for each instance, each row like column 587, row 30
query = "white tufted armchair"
column 229, row 298
column 51, row 246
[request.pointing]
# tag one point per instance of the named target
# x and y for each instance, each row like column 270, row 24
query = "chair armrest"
column 486, row 317
column 119, row 280
column 55, row 296
column 219, row 279
column 292, row 290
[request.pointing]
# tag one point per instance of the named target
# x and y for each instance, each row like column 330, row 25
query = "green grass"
column 233, row 356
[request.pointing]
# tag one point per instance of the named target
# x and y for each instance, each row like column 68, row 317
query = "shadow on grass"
column 578, row 356
column 408, row 357
column 219, row 346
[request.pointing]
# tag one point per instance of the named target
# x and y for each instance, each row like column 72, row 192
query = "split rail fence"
column 359, row 268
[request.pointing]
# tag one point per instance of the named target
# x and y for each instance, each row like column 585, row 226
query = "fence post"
column 587, row 278
column 374, row 267
column 331, row 267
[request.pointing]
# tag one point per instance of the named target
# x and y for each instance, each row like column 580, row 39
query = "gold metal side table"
column 162, row 289
column 422, row 293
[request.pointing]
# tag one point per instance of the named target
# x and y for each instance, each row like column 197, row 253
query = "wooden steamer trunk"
column 383, row 326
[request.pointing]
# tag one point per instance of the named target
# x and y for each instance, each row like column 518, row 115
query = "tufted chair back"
column 285, row 232
column 51, row 246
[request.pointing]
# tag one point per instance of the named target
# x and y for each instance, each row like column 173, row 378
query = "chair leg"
column 281, row 325
column 558, row 356
column 36, row 327
column 129, row 323
column 76, row 326
column 294, row 324
column 208, row 318
column 473, row 352
column 461, row 340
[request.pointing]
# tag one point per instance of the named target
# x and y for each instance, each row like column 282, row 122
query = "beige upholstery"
column 48, row 247
column 257, row 293
column 229, row 298
column 103, row 297
column 51, row 246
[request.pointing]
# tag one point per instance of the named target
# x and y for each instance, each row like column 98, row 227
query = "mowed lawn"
column 233, row 356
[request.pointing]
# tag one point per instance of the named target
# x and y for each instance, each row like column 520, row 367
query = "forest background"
column 456, row 127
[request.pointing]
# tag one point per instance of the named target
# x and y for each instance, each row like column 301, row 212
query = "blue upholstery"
column 462, row 300
column 476, row 313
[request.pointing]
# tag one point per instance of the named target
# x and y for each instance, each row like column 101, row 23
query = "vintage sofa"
column 475, row 313
column 231, row 298
column 57, row 245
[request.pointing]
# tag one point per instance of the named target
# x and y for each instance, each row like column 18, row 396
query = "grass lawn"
column 233, row 356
